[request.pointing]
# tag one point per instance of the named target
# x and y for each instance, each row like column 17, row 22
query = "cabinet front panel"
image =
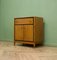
column 28, row 32
column 18, row 32
column 24, row 21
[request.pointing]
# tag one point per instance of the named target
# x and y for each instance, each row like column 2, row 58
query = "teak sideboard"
column 28, row 30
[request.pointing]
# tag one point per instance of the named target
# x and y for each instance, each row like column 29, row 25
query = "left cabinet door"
column 18, row 32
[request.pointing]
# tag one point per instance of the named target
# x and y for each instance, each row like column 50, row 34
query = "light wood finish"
column 28, row 30
column 38, row 30
column 24, row 21
column 10, row 52
column 18, row 32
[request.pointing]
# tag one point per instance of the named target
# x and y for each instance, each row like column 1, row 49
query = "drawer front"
column 24, row 21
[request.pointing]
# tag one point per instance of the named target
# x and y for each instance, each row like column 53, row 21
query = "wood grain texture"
column 10, row 52
column 29, row 29
column 24, row 21
column 28, row 32
column 18, row 32
column 38, row 30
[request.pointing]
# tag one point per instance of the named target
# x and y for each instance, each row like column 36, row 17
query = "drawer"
column 23, row 21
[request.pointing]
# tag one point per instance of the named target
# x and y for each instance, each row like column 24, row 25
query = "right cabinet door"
column 28, row 32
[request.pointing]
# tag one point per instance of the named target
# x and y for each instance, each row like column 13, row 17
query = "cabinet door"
column 18, row 32
column 28, row 32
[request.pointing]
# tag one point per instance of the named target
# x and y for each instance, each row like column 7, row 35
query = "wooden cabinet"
column 28, row 30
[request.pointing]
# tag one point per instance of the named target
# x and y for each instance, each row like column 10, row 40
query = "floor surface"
column 10, row 52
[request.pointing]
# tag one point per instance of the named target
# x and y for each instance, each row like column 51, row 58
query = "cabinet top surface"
column 27, row 17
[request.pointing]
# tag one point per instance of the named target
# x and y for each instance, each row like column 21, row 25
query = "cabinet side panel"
column 38, row 30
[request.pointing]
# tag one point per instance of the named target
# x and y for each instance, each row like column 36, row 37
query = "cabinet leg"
column 14, row 43
column 34, row 45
